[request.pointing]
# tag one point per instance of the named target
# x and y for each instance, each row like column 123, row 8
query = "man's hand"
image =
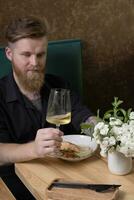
column 47, row 141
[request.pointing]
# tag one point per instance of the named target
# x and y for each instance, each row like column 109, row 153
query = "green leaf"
column 121, row 118
column 98, row 114
column 85, row 125
column 116, row 102
column 108, row 114
column 123, row 112
column 128, row 113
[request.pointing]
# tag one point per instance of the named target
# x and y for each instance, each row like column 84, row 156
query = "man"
column 24, row 132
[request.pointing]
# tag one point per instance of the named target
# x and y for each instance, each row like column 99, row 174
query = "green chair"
column 64, row 59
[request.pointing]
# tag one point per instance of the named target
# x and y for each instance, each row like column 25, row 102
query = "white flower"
column 105, row 130
column 131, row 116
column 99, row 126
column 118, row 135
column 105, row 142
column 116, row 132
column 112, row 141
column 115, row 122
column 131, row 123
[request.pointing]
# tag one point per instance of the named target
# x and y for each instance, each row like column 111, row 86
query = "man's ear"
column 8, row 52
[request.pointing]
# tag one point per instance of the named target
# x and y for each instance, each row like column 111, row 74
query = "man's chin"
column 33, row 82
column 34, row 85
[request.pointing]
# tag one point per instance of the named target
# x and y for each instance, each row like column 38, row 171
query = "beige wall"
column 106, row 28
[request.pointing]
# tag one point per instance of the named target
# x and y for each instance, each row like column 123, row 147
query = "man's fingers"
column 50, row 133
column 50, row 143
column 50, row 150
column 47, row 141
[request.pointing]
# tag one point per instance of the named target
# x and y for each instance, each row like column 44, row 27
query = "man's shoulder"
column 3, row 82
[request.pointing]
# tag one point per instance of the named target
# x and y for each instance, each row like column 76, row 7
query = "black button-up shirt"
column 19, row 118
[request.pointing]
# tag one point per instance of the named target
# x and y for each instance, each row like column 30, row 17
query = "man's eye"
column 26, row 54
column 41, row 55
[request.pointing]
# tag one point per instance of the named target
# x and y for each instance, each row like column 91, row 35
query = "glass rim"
column 60, row 89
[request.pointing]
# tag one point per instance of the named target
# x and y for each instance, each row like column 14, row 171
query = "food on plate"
column 70, row 150
column 70, row 146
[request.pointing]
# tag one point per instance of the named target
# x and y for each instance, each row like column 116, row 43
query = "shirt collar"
column 12, row 90
column 13, row 93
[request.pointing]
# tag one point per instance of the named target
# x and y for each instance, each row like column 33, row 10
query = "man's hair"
column 25, row 27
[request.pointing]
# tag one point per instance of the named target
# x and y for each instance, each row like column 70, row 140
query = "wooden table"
column 5, row 193
column 34, row 174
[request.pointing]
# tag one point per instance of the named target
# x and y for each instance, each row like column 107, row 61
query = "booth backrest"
column 64, row 59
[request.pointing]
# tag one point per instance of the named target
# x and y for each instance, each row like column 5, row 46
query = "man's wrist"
column 91, row 120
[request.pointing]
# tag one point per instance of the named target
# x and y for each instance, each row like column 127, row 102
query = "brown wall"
column 106, row 28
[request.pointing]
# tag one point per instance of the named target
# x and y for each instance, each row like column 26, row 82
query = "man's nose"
column 33, row 60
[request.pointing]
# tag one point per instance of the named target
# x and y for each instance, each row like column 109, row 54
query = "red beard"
column 31, row 80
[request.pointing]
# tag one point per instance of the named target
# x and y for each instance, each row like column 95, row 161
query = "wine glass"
column 59, row 107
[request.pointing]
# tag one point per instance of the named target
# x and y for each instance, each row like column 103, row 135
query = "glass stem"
column 57, row 126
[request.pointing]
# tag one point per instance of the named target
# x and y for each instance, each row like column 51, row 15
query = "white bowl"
column 82, row 141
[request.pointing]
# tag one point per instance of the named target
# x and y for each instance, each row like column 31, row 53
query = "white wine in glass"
column 59, row 107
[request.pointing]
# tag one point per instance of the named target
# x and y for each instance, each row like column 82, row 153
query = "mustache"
column 37, row 69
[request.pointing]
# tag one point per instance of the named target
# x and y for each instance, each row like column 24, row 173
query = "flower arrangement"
column 116, row 130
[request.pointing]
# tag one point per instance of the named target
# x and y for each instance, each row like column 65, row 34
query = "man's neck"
column 31, row 95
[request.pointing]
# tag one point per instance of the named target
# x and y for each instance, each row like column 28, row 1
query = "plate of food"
column 77, row 147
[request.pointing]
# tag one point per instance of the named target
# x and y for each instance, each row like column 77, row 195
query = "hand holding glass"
column 59, row 107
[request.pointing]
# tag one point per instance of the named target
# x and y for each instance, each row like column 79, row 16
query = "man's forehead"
column 30, row 43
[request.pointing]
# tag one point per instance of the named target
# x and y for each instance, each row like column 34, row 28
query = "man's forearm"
column 11, row 153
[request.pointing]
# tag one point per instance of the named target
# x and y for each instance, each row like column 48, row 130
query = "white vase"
column 118, row 163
